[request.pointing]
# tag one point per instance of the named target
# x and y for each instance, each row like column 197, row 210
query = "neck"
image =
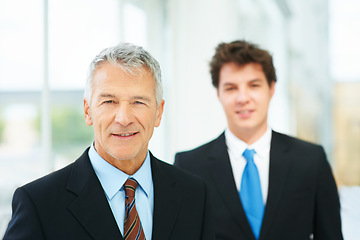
column 127, row 164
column 249, row 136
column 130, row 167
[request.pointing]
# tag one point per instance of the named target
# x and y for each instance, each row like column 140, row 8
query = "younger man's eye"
column 229, row 88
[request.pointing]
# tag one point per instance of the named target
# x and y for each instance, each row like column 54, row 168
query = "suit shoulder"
column 200, row 150
column 293, row 141
column 179, row 175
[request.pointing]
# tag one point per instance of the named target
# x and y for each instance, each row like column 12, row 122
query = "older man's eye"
column 139, row 102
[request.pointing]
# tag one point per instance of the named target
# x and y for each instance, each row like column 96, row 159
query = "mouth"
column 245, row 113
column 124, row 135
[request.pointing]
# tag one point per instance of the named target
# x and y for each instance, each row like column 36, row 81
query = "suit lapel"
column 90, row 207
column 222, row 175
column 167, row 201
column 278, row 172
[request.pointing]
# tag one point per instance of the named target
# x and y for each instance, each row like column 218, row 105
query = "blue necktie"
column 250, row 193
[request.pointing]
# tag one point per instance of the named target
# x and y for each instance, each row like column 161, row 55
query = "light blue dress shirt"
column 112, row 181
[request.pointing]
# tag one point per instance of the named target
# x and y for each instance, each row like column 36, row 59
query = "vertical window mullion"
column 45, row 101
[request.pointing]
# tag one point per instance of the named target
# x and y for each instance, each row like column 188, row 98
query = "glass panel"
column 21, row 45
column 21, row 76
column 20, row 151
column 70, row 134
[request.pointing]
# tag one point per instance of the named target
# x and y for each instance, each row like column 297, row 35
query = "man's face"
column 245, row 96
column 123, row 112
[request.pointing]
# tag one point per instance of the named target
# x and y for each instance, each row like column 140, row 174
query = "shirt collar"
column 113, row 179
column 236, row 146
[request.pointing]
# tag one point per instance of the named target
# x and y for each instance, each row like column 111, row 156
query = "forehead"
column 231, row 72
column 112, row 77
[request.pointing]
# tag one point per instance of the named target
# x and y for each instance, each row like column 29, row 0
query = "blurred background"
column 47, row 45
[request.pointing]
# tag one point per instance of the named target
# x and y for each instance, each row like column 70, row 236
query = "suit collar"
column 236, row 146
column 92, row 210
column 222, row 175
column 90, row 206
column 167, row 201
column 278, row 172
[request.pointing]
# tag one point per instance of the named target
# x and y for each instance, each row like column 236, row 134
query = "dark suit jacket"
column 302, row 197
column 71, row 204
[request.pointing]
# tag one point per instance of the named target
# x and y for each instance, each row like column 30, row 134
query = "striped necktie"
column 132, row 224
column 250, row 193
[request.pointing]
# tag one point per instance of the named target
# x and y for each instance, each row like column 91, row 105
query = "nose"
column 242, row 96
column 124, row 115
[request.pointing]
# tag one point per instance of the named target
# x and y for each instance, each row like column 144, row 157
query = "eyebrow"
column 255, row 80
column 228, row 84
column 142, row 98
column 252, row 80
column 105, row 95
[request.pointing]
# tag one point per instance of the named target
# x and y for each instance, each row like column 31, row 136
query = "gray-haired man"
column 89, row 199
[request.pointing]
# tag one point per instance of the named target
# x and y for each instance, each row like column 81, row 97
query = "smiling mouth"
column 125, row 134
column 244, row 112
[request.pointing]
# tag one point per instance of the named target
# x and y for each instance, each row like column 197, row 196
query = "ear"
column 159, row 112
column 87, row 113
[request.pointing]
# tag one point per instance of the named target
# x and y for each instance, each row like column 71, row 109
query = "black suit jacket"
column 302, row 195
column 71, row 204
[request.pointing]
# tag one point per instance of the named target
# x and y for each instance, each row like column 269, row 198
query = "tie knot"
column 249, row 154
column 130, row 187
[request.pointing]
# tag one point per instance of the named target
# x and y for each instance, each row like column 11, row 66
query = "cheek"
column 145, row 118
column 228, row 102
column 225, row 99
column 261, row 97
column 266, row 100
column 101, row 120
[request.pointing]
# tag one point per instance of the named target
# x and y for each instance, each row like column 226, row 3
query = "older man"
column 117, row 189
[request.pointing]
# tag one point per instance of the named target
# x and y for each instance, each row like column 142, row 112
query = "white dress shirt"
column 236, row 147
column 112, row 181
